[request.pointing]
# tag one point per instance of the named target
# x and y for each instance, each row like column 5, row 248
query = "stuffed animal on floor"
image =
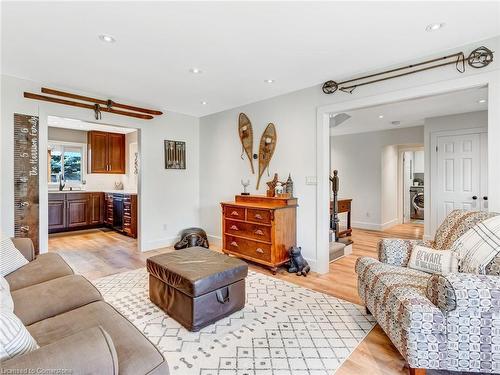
column 192, row 237
column 297, row 262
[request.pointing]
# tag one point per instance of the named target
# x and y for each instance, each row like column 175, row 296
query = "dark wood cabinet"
column 77, row 211
column 72, row 211
column 130, row 215
column 96, row 208
column 106, row 152
column 108, row 209
column 116, row 153
column 57, row 212
column 81, row 210
column 97, row 151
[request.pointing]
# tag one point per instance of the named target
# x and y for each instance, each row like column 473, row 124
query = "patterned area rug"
column 283, row 329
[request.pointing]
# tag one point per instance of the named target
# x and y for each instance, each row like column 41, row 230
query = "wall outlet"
column 311, row 180
column 165, row 227
column 367, row 214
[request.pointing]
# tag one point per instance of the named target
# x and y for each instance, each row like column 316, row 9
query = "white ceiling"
column 66, row 123
column 411, row 112
column 237, row 45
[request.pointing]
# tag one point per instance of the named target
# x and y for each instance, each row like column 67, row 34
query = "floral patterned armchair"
column 447, row 322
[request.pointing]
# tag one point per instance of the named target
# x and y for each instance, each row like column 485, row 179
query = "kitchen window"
column 68, row 161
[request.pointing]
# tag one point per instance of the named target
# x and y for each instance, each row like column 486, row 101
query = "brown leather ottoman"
column 197, row 286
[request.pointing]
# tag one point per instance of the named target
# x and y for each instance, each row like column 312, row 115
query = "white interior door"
column 459, row 177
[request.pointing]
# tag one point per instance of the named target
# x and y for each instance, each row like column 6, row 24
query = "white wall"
column 368, row 171
column 389, row 187
column 445, row 123
column 169, row 199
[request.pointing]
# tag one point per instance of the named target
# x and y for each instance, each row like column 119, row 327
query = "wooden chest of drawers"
column 259, row 228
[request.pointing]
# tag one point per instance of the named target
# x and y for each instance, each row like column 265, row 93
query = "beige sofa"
column 71, row 323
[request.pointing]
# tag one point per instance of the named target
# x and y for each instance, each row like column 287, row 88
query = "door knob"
column 474, row 197
column 485, row 198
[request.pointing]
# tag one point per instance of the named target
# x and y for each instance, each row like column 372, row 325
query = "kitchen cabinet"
column 73, row 211
column 108, row 209
column 106, row 152
column 130, row 215
column 82, row 210
column 418, row 160
column 96, row 208
column 77, row 210
column 57, row 212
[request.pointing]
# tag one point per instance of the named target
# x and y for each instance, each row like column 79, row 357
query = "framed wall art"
column 175, row 154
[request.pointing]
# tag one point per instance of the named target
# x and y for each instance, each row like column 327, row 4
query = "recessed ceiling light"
column 204, row 102
column 107, row 38
column 434, row 26
column 269, row 81
column 381, row 116
column 195, row 71
column 481, row 101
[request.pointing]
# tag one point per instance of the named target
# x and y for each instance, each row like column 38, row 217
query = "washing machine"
column 417, row 202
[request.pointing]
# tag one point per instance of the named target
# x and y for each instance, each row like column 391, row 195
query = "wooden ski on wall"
column 26, row 178
column 245, row 131
column 266, row 149
column 97, row 105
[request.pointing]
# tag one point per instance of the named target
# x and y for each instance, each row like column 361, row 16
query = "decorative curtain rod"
column 98, row 105
column 479, row 58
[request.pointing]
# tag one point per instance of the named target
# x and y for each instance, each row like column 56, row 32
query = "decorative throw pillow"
column 11, row 257
column 478, row 246
column 14, row 337
column 6, row 302
column 433, row 261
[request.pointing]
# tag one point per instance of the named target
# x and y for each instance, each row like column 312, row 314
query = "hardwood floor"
column 98, row 253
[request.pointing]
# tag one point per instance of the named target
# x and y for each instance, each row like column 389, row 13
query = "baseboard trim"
column 160, row 243
column 365, row 225
column 374, row 226
column 216, row 240
column 389, row 224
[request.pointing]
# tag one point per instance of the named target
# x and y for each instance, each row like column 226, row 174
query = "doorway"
column 470, row 107
column 412, row 185
column 92, row 187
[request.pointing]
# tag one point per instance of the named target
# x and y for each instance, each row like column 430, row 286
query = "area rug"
column 283, row 329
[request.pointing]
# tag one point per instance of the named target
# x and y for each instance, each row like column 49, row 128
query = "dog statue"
column 192, row 237
column 297, row 262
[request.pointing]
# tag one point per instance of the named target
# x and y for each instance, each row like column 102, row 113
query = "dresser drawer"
column 257, row 231
column 259, row 216
column 249, row 248
column 234, row 212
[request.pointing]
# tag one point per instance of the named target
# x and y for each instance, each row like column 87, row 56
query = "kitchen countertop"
column 93, row 191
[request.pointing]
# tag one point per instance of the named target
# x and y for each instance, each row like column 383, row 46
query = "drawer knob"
column 234, row 213
column 234, row 227
column 234, row 243
column 258, row 216
column 259, row 232
column 259, row 250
